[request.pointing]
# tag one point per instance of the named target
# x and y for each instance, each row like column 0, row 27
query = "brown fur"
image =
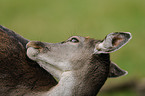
column 18, row 74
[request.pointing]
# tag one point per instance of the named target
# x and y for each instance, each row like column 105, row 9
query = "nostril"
column 48, row 48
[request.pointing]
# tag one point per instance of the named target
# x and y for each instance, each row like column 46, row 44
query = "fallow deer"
column 80, row 64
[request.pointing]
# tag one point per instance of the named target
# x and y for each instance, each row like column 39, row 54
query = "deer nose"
column 37, row 45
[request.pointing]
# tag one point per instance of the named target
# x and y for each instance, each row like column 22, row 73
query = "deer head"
column 81, row 64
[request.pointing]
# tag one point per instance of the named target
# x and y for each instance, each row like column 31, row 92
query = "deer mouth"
column 35, row 47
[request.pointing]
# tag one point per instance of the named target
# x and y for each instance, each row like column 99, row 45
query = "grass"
column 119, row 93
column 56, row 20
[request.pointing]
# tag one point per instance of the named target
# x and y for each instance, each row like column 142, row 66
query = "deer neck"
column 86, row 81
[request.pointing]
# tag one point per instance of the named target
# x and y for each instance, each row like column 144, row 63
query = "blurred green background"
column 56, row 20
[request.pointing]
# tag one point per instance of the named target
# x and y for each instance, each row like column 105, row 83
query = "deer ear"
column 115, row 71
column 112, row 42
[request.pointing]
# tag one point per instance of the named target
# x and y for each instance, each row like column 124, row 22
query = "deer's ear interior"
column 112, row 42
column 115, row 71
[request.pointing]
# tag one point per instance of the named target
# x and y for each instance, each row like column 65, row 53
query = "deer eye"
column 74, row 40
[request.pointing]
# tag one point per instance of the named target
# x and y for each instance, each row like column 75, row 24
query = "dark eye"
column 74, row 40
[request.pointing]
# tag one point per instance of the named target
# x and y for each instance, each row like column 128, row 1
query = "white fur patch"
column 64, row 87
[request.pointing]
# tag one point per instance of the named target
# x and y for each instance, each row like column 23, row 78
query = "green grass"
column 56, row 20
column 120, row 93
